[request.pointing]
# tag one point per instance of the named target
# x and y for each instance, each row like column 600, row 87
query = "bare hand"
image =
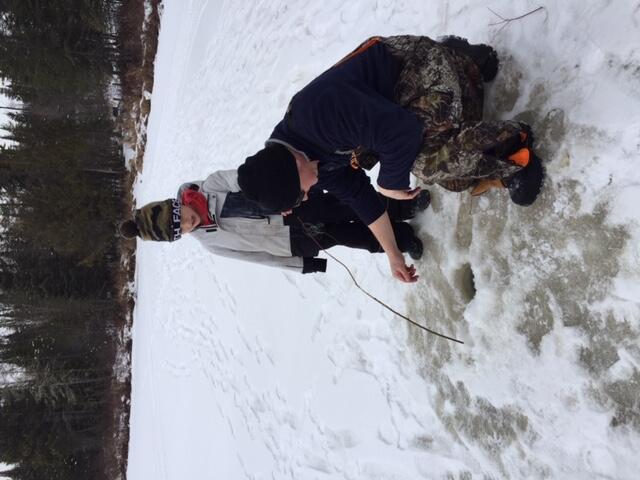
column 400, row 194
column 400, row 270
column 287, row 212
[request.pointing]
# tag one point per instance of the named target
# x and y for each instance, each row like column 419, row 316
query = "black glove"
column 513, row 143
column 312, row 265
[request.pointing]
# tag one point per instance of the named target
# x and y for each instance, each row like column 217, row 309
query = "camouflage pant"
column 444, row 89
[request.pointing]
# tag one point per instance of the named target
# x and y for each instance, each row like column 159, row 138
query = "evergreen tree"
column 60, row 200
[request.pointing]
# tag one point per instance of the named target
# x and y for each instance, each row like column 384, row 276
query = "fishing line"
column 412, row 322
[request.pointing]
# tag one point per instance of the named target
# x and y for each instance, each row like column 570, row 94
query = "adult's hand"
column 287, row 212
column 400, row 270
column 400, row 194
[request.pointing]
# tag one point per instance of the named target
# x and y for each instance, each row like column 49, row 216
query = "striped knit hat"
column 159, row 221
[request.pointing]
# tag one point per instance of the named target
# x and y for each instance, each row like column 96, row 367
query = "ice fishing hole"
column 466, row 282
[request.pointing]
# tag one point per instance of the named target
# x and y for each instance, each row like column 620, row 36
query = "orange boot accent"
column 521, row 157
column 486, row 185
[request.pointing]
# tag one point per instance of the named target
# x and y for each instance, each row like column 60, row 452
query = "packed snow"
column 246, row 372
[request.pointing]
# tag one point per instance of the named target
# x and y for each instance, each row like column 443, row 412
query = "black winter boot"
column 484, row 56
column 407, row 240
column 416, row 248
column 524, row 186
column 419, row 204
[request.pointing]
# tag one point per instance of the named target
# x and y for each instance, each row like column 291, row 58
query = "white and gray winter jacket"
column 263, row 239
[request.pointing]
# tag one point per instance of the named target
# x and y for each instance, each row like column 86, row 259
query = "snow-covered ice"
column 241, row 371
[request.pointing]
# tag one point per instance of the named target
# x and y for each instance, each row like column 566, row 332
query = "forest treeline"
column 61, row 197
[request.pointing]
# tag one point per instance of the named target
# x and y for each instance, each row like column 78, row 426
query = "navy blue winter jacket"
column 350, row 105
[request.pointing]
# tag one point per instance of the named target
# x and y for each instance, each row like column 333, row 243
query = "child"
column 220, row 217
